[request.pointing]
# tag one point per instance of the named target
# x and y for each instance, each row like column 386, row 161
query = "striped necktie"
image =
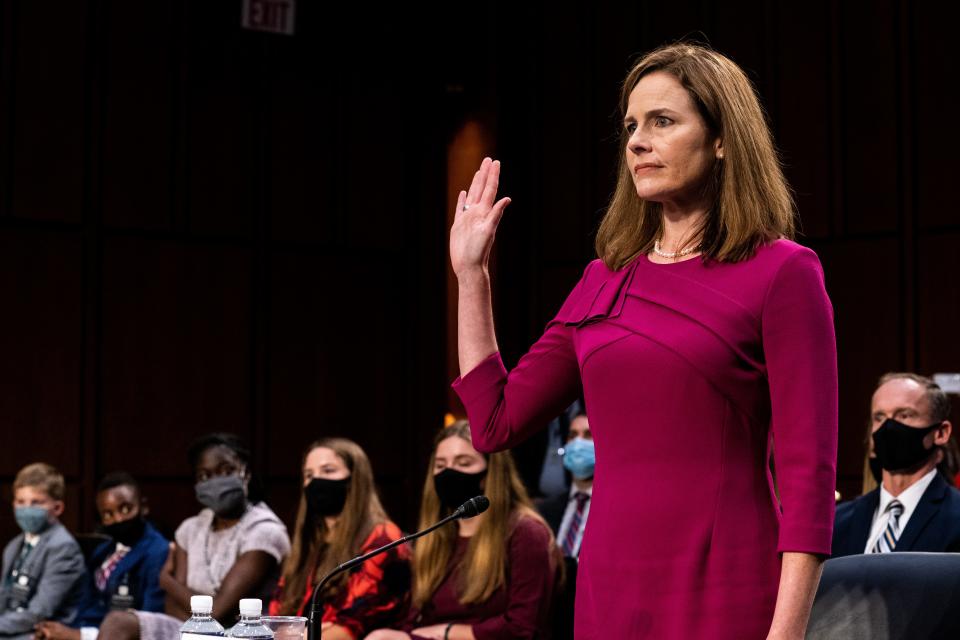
column 570, row 540
column 888, row 539
column 102, row 574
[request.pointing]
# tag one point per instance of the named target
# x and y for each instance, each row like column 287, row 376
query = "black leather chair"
column 888, row 596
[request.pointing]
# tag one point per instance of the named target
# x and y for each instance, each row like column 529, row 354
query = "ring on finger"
column 466, row 206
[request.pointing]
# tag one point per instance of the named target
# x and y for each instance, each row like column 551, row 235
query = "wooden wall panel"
column 141, row 114
column 223, row 120
column 176, row 350
column 872, row 162
column 41, row 339
column 938, row 311
column 866, row 294
column 932, row 65
column 804, row 109
column 49, row 74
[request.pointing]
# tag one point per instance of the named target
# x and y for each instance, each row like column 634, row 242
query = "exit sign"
column 274, row 16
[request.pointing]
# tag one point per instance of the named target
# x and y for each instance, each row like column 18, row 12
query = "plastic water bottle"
column 201, row 623
column 250, row 625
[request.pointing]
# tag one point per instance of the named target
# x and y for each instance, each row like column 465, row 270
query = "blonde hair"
column 483, row 569
column 309, row 551
column 751, row 201
column 43, row 476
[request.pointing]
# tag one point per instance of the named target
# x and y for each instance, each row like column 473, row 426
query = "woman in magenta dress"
column 703, row 341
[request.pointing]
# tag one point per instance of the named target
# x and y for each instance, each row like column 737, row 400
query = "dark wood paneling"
column 176, row 349
column 49, row 52
column 938, row 311
column 872, row 161
column 223, row 92
column 140, row 113
column 867, row 299
column 41, row 338
column 936, row 136
column 303, row 182
column 804, row 109
column 330, row 321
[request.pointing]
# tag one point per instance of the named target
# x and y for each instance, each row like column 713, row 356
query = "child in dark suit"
column 124, row 571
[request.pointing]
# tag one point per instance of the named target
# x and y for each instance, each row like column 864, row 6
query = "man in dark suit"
column 914, row 508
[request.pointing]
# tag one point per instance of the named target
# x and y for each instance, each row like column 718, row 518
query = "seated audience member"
column 491, row 576
column 340, row 517
column 553, row 480
column 43, row 569
column 123, row 571
column 914, row 508
column 567, row 514
column 231, row 550
column 948, row 466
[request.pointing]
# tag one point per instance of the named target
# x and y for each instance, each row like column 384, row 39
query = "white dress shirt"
column 910, row 498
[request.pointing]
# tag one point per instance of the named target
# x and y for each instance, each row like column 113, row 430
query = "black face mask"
column 128, row 532
column 326, row 497
column 899, row 446
column 456, row 487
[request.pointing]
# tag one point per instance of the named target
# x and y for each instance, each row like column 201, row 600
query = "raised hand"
column 475, row 221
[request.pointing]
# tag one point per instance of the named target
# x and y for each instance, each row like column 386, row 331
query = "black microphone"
column 470, row 508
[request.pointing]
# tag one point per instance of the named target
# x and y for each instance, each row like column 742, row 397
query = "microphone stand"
column 472, row 507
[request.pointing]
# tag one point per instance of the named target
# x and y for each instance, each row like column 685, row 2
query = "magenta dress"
column 695, row 374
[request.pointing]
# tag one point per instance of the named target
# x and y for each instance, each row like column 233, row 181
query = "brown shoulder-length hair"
column 483, row 568
column 310, row 551
column 751, row 201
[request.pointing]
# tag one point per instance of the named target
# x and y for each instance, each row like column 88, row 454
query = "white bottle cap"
column 201, row 604
column 250, row 607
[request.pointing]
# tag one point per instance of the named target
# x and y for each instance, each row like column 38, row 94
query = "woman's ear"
column 718, row 148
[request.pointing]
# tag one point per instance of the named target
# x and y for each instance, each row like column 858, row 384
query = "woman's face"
column 458, row 454
column 323, row 462
column 670, row 152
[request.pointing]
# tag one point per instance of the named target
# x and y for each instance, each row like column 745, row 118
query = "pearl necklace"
column 675, row 254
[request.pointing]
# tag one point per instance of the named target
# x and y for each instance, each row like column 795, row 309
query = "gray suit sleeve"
column 63, row 570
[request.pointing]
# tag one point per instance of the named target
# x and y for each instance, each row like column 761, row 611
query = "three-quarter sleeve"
column 504, row 408
column 531, row 576
column 801, row 358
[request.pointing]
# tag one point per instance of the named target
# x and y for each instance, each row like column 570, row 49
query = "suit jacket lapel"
column 926, row 509
column 9, row 553
column 126, row 563
column 860, row 521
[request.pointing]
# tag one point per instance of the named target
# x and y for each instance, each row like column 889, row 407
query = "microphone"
column 470, row 508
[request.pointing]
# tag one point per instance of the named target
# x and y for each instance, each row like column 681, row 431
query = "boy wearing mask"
column 43, row 569
column 124, row 571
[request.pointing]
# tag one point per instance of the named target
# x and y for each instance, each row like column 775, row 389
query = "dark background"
column 205, row 228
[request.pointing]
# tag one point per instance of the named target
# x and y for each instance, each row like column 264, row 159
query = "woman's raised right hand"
column 475, row 221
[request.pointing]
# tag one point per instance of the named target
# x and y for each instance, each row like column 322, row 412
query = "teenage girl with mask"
column 340, row 517
column 231, row 550
column 491, row 576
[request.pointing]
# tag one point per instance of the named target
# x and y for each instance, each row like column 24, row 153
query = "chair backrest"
column 89, row 542
column 888, row 596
